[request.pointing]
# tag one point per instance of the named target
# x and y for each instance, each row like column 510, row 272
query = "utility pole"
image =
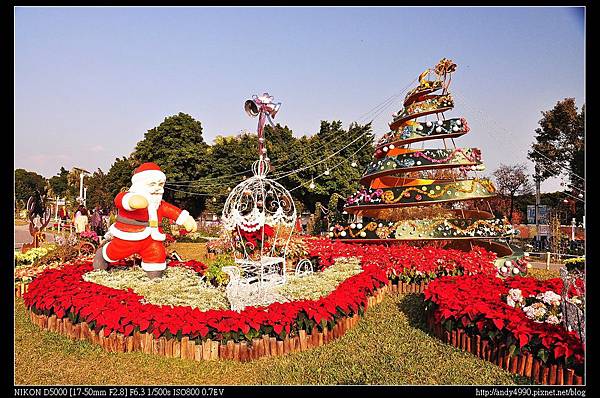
column 82, row 173
column 81, row 186
column 537, row 203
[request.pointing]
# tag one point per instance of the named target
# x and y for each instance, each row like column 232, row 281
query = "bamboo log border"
column 208, row 350
column 523, row 364
column 21, row 289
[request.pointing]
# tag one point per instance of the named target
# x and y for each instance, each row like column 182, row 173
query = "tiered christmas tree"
column 413, row 194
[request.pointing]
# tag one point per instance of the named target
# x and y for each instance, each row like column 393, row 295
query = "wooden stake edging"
column 230, row 347
column 302, row 337
column 236, row 352
column 552, row 376
column 523, row 364
column 513, row 364
column 184, row 347
column 528, row 365
column 243, row 352
column 176, row 349
column 560, row 377
column 570, row 374
column 214, row 351
column 206, row 350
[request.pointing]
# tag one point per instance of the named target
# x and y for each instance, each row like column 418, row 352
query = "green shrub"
column 32, row 255
column 61, row 254
column 575, row 264
column 214, row 274
column 194, row 237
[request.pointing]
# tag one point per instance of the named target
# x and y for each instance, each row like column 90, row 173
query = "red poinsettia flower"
column 64, row 292
column 479, row 300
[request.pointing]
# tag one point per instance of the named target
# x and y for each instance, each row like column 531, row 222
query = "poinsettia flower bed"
column 483, row 305
column 406, row 263
column 65, row 294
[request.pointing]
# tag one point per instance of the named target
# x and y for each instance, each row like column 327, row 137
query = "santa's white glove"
column 190, row 224
column 138, row 202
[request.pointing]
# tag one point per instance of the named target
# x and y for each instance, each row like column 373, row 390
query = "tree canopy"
column 559, row 143
column 510, row 181
column 59, row 183
column 99, row 192
column 26, row 183
column 178, row 147
column 559, row 147
column 119, row 175
column 200, row 176
column 325, row 159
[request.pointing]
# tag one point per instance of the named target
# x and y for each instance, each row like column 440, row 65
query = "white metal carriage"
column 260, row 214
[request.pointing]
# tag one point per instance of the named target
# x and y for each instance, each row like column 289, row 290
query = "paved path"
column 542, row 265
column 22, row 236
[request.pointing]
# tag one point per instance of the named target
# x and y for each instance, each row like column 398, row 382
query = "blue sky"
column 90, row 81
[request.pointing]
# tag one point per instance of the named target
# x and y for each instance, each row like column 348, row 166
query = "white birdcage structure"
column 573, row 315
column 260, row 215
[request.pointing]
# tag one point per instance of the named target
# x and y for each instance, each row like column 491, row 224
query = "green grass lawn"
column 190, row 251
column 388, row 346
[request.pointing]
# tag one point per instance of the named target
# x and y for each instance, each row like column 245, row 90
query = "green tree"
column 232, row 158
column 26, row 183
column 510, row 181
column 178, row 147
column 341, row 148
column 119, row 175
column 98, row 190
column 59, row 183
column 559, row 147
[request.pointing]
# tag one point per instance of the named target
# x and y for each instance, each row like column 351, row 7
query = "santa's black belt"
column 131, row 221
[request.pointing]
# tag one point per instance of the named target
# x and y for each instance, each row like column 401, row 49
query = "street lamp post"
column 82, row 194
column 537, row 203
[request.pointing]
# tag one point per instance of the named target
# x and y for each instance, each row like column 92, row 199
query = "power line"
column 334, row 167
column 376, row 111
column 574, row 197
column 196, row 193
column 320, row 161
column 558, row 165
column 358, row 135
column 319, row 147
column 552, row 170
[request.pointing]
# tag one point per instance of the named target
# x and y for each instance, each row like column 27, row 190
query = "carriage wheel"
column 86, row 249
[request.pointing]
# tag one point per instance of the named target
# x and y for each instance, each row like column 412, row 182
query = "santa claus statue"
column 136, row 228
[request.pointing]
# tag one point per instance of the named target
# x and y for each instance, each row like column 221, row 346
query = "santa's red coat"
column 131, row 232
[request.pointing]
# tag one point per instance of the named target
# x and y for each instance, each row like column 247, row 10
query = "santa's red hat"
column 147, row 172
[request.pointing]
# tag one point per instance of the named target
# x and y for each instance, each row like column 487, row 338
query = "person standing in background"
column 97, row 225
column 81, row 219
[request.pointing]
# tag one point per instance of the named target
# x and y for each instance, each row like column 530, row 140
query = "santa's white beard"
column 153, row 199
